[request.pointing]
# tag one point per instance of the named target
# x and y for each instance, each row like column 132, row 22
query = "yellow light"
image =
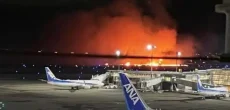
column 127, row 64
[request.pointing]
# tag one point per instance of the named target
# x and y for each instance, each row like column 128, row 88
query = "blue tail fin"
column 199, row 84
column 132, row 98
column 50, row 76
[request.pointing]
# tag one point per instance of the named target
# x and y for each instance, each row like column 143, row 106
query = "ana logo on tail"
column 132, row 94
column 49, row 73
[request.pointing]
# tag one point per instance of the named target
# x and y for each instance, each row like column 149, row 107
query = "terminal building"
column 166, row 79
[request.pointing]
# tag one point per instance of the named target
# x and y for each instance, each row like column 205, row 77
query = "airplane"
column 132, row 98
column 217, row 92
column 75, row 84
column 211, row 91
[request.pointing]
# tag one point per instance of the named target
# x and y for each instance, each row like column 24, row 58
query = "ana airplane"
column 75, row 84
column 217, row 92
column 211, row 91
column 132, row 98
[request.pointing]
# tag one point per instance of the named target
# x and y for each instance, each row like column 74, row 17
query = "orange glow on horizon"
column 127, row 64
column 155, row 64
column 121, row 26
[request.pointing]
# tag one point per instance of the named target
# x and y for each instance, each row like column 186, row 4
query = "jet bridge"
column 149, row 84
column 185, row 82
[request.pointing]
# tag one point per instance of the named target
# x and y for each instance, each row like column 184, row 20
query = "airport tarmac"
column 37, row 95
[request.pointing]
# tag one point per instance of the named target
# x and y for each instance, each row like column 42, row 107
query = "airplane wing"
column 42, row 80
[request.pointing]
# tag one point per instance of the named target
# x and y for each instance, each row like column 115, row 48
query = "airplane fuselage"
column 213, row 92
column 63, row 84
column 92, row 83
column 76, row 83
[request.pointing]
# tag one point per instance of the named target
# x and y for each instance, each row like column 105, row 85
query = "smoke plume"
column 123, row 25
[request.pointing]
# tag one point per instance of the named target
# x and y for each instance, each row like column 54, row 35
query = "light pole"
column 150, row 48
column 118, row 53
column 178, row 55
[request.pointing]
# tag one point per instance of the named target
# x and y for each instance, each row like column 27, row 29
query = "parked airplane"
column 75, row 84
column 211, row 91
column 214, row 91
column 132, row 99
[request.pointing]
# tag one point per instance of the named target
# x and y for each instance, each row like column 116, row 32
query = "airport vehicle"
column 217, row 92
column 111, row 86
column 75, row 84
column 132, row 98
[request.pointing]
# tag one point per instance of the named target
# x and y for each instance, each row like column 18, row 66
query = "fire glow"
column 122, row 26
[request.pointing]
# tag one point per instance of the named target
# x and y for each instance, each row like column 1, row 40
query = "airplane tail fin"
column 50, row 76
column 199, row 84
column 132, row 98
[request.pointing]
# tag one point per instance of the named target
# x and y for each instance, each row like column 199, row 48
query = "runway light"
column 24, row 65
column 106, row 64
column 150, row 47
column 127, row 64
column 2, row 105
column 118, row 52
column 179, row 54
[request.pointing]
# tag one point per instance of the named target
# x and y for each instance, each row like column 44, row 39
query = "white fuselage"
column 93, row 83
column 77, row 83
column 63, row 84
column 219, row 91
column 96, row 82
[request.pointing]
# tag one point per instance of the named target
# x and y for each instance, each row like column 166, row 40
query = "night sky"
column 24, row 25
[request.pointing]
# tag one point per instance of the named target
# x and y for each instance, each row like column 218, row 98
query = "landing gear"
column 217, row 97
column 203, row 98
column 74, row 88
